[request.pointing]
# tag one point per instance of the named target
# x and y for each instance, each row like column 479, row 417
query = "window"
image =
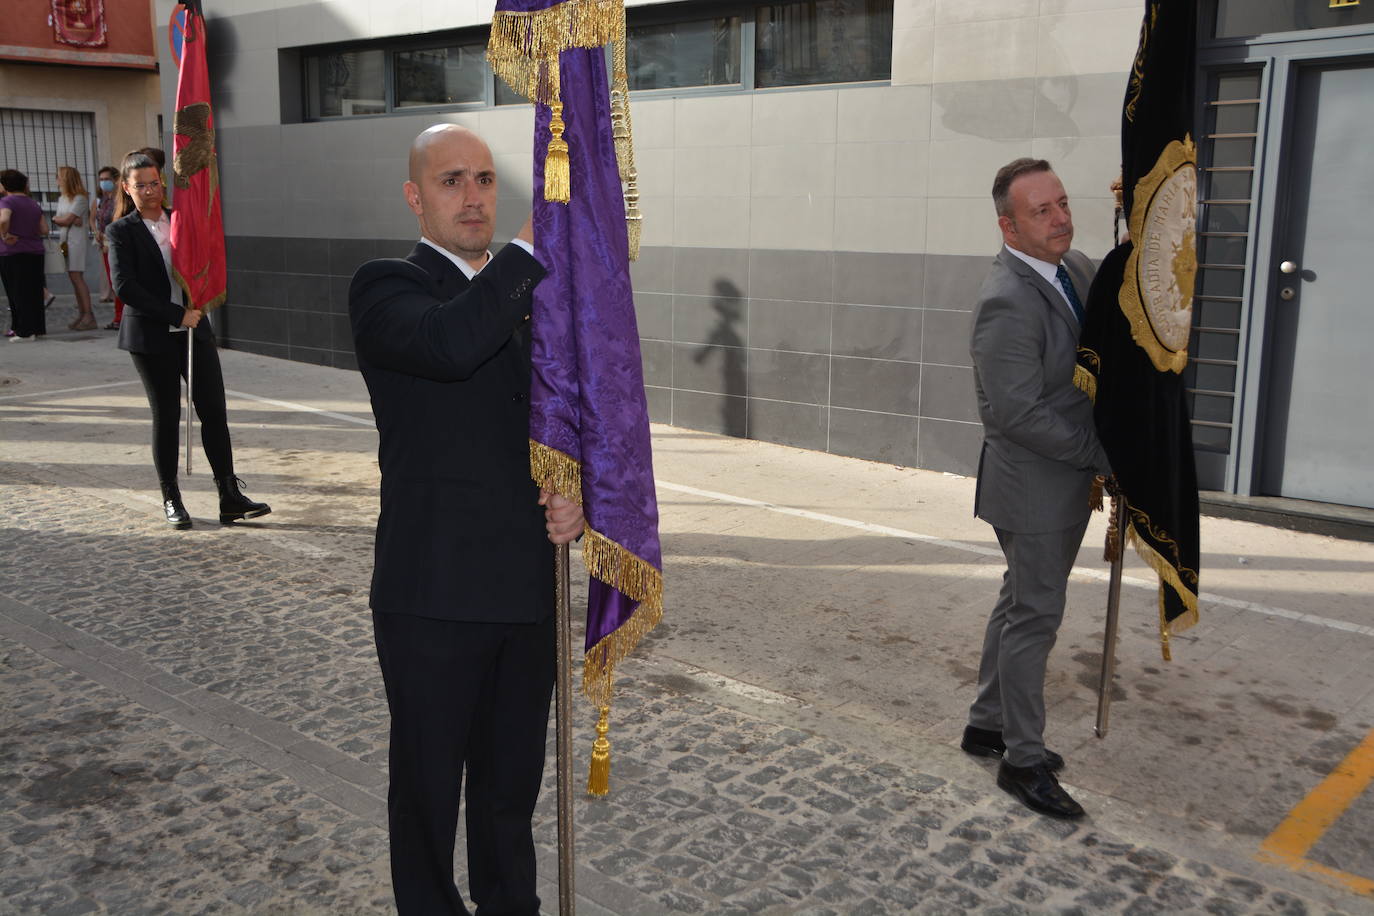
column 441, row 76
column 701, row 52
column 345, row 84
column 727, row 47
column 1242, row 18
column 823, row 41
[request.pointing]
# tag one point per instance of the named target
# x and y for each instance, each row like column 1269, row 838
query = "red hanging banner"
column 79, row 22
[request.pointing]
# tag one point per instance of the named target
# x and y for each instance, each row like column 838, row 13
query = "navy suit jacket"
column 139, row 277
column 461, row 535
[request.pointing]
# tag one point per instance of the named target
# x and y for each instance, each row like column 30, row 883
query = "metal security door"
column 1319, row 423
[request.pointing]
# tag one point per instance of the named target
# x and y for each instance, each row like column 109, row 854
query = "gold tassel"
column 633, row 220
column 557, row 171
column 599, row 773
column 1095, row 493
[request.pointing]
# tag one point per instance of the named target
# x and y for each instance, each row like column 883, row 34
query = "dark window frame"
column 295, row 61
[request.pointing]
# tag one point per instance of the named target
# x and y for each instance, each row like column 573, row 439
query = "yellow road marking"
column 1293, row 839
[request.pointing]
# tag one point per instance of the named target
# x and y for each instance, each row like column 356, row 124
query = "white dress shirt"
column 1045, row 269
column 468, row 270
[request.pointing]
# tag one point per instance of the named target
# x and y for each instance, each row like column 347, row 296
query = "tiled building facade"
column 810, row 253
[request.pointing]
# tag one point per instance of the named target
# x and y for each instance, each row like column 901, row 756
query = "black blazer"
column 461, row 535
column 140, row 278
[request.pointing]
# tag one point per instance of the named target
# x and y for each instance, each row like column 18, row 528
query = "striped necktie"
column 1062, row 276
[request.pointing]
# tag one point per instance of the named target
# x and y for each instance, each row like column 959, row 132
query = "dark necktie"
column 1062, row 276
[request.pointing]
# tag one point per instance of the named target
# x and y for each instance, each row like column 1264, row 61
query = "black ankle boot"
column 233, row 505
column 177, row 516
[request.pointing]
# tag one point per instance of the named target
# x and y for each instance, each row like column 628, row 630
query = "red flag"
column 197, row 224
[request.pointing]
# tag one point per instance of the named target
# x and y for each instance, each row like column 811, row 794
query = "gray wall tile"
column 949, row 446
column 306, row 292
column 341, row 333
column 657, row 356
column 653, row 271
column 877, row 332
column 952, row 281
column 782, row 376
column 991, row 109
column 1078, row 106
column 870, row 278
column 945, row 337
column 875, row 436
column 799, row 425
column 947, row 393
column 872, row 384
column 306, row 256
column 347, row 255
column 802, row 275
column 711, row 272
column 715, row 413
column 719, row 320
column 311, row 329
column 787, row 325
column 660, row 404
column 721, row 370
column 654, row 315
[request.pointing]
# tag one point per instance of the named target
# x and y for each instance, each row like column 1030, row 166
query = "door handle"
column 1288, row 267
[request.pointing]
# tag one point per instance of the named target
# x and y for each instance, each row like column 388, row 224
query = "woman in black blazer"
column 153, row 332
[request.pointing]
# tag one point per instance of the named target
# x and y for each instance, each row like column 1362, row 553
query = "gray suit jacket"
column 1040, row 449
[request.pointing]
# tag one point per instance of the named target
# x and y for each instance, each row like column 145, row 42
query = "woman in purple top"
column 22, row 230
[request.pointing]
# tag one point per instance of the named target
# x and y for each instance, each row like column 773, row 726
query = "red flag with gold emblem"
column 197, row 224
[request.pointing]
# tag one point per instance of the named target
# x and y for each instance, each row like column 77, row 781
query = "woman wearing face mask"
column 103, row 214
column 73, row 215
column 153, row 330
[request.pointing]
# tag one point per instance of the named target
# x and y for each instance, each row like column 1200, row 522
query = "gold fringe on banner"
column 524, row 47
column 1169, row 577
column 1085, row 382
column 556, row 471
column 1085, row 379
column 613, row 564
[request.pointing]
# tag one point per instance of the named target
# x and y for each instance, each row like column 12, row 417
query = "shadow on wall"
column 726, row 340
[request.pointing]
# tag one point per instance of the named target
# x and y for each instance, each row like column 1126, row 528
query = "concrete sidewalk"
column 195, row 720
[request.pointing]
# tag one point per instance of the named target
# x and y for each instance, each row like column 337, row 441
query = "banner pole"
column 190, row 401
column 1116, row 551
column 566, row 901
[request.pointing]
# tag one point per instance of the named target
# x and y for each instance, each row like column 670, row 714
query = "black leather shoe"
column 233, row 505
column 1038, row 790
column 176, row 513
column 982, row 742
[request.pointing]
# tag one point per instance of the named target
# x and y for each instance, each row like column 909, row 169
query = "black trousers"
column 22, row 276
column 466, row 699
column 162, row 374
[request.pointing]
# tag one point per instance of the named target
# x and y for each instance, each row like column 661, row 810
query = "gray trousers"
column 1021, row 631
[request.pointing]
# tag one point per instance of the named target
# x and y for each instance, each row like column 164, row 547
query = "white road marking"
column 44, row 394
column 291, row 405
column 979, row 549
column 887, row 530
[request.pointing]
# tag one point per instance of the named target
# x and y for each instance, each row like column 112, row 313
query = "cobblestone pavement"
column 194, row 723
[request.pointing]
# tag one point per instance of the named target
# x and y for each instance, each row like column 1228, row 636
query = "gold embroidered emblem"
column 1157, row 295
column 192, row 122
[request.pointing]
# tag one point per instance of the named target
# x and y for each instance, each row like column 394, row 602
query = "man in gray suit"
column 1040, row 453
